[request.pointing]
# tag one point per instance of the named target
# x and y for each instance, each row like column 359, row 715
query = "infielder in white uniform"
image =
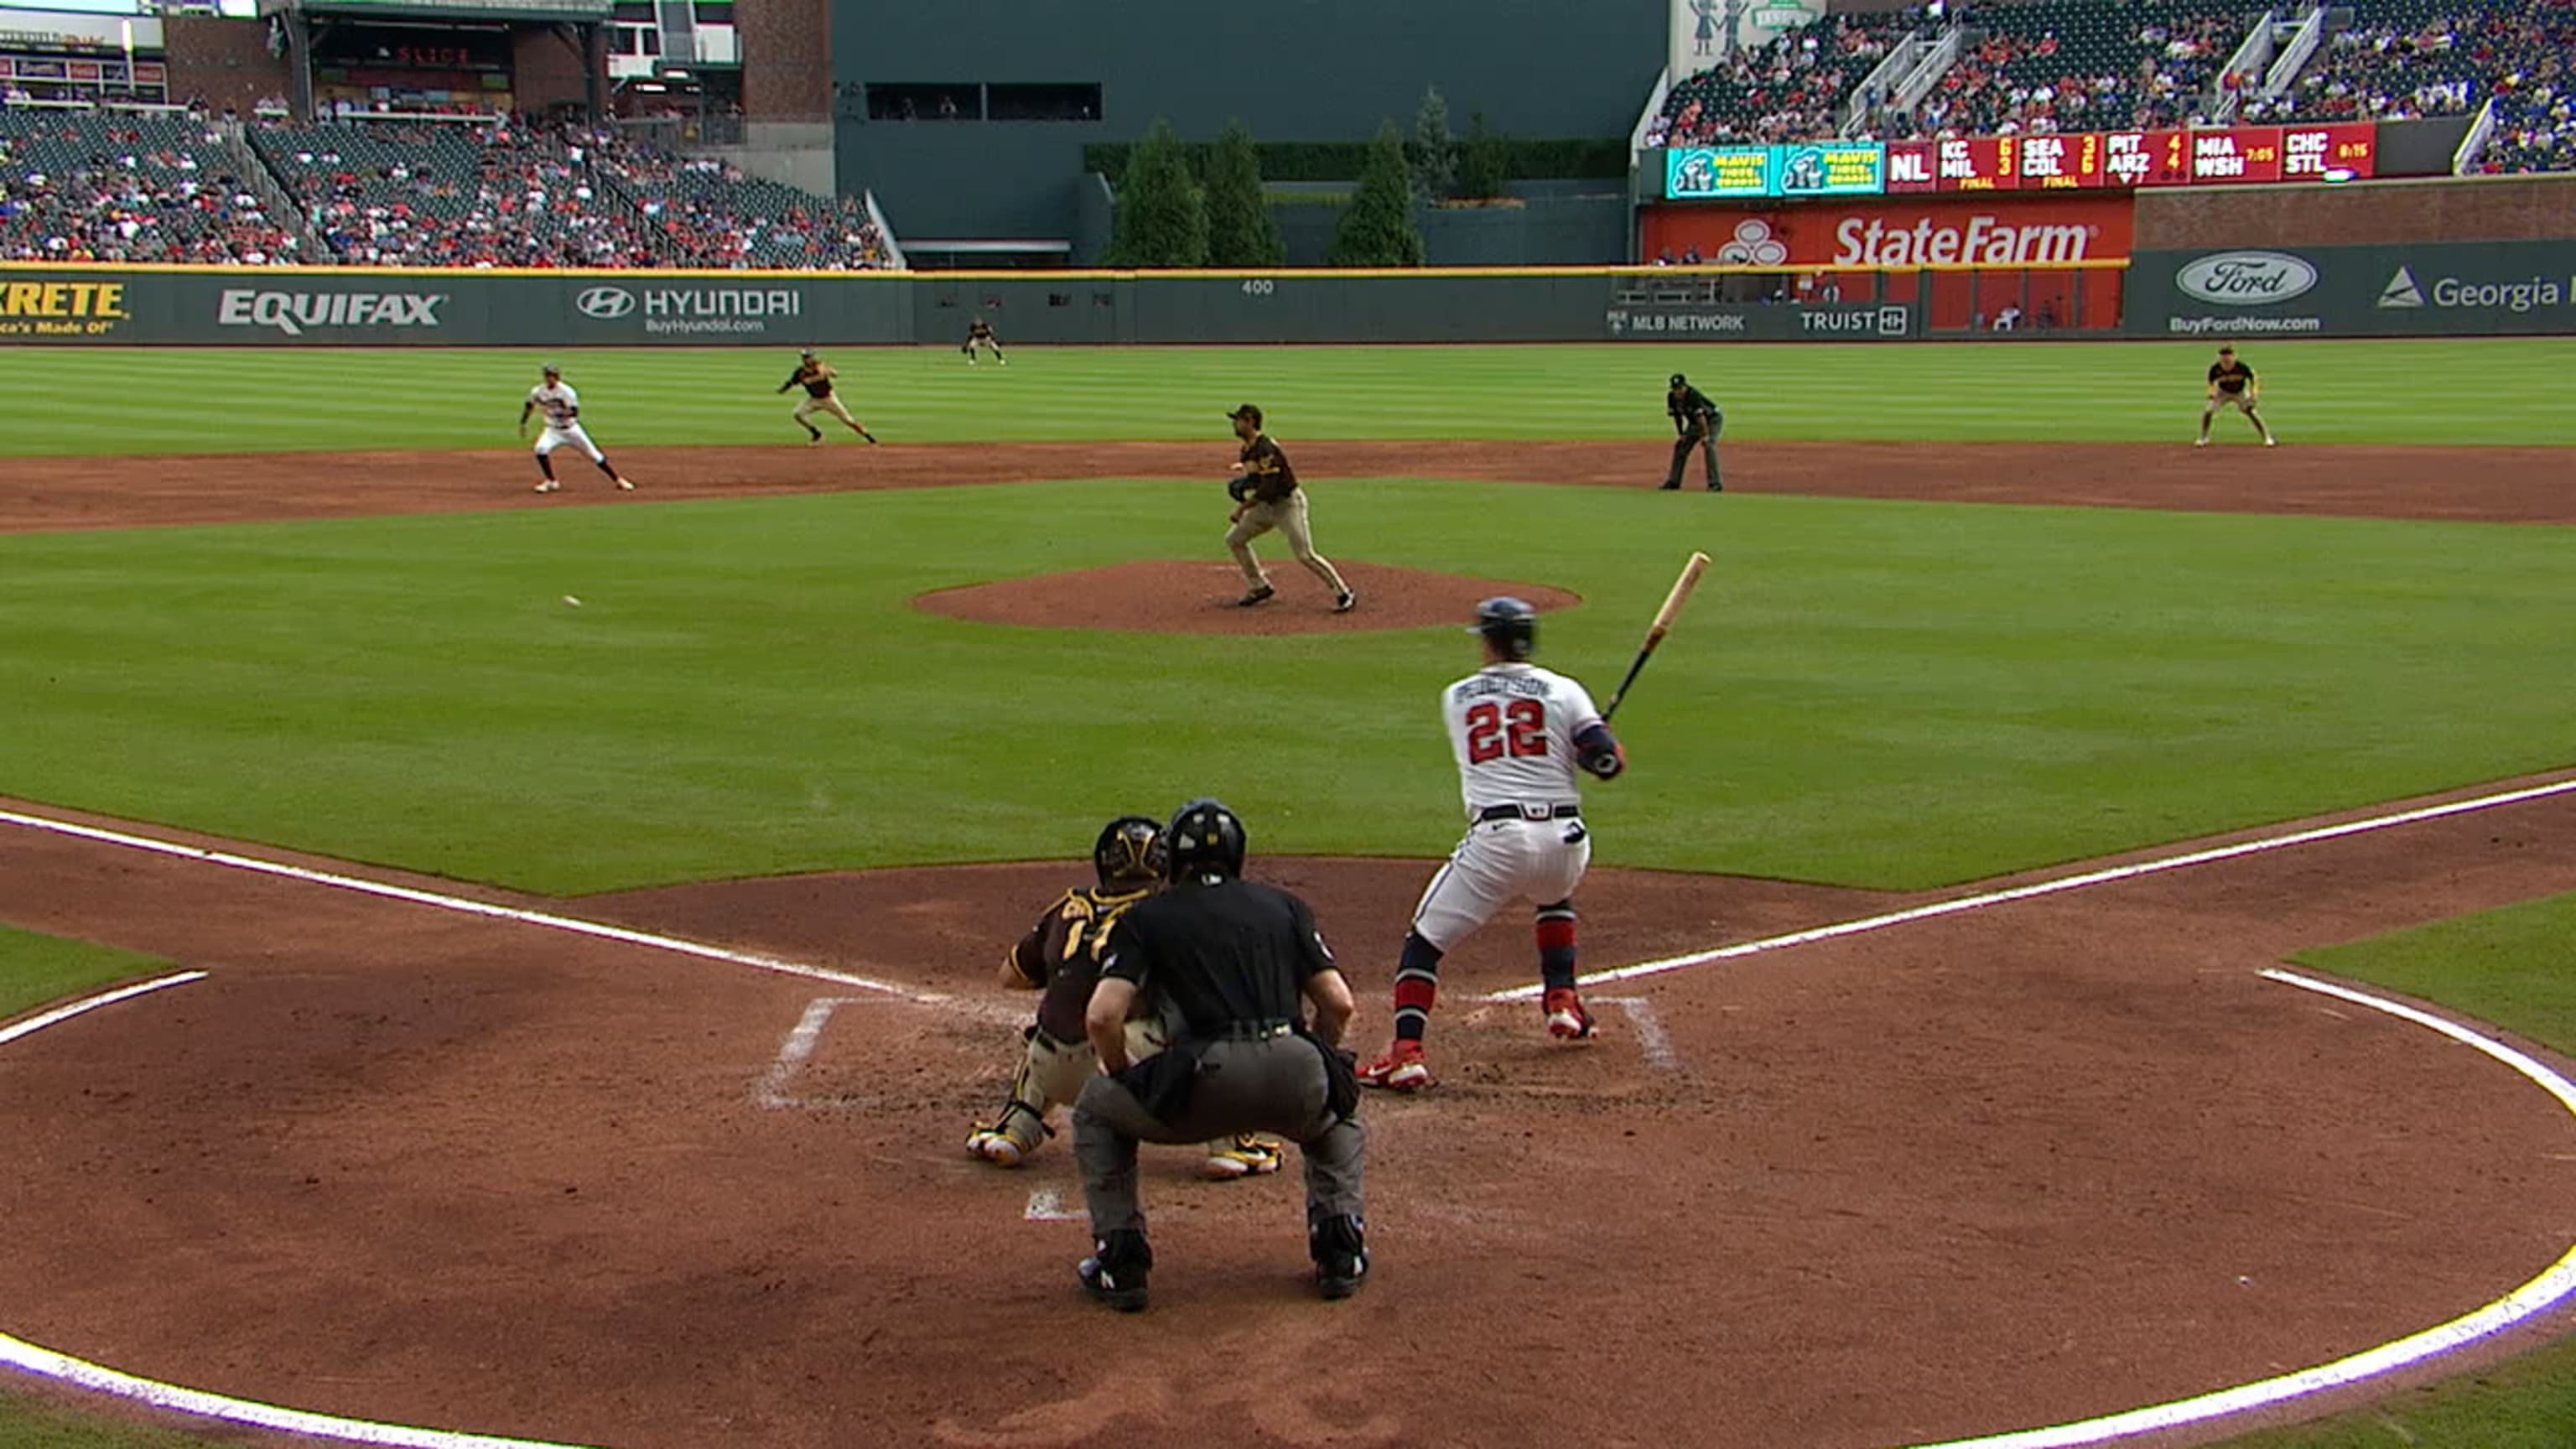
column 562, row 407
column 1519, row 733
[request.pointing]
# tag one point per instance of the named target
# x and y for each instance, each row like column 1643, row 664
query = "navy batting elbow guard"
column 1598, row 753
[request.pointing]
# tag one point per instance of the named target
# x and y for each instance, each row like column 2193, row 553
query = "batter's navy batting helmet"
column 1129, row 852
column 1203, row 839
column 1509, row 625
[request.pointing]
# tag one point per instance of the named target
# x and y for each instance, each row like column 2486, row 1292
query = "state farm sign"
column 1987, row 231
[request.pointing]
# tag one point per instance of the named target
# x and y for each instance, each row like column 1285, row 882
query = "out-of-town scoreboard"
column 2089, row 160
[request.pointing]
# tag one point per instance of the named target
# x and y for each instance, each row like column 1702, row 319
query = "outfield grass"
column 1891, row 695
column 141, row 400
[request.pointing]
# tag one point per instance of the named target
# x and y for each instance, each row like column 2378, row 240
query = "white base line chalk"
column 60, row 1014
column 546, row 919
column 2532, row 1298
column 2105, row 876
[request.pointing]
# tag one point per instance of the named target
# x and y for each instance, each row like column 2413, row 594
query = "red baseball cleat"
column 1402, row 1069
column 1566, row 1018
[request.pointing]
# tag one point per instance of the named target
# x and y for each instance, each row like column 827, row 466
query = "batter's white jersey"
column 1512, row 729
column 561, row 407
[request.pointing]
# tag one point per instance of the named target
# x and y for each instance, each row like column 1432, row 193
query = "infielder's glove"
column 1239, row 488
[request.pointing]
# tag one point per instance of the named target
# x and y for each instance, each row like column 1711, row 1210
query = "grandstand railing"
column 2250, row 59
column 1936, row 63
column 2294, row 56
column 2481, row 130
column 281, row 203
column 1883, row 82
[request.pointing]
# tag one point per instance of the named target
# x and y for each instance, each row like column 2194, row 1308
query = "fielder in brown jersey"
column 822, row 395
column 2232, row 385
column 1059, row 957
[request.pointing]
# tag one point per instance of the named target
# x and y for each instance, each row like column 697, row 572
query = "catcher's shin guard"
column 1050, row 1075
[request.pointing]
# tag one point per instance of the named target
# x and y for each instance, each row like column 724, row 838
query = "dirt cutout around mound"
column 1174, row 596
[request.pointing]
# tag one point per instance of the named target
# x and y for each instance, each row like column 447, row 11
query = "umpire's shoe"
column 1115, row 1273
column 1339, row 1247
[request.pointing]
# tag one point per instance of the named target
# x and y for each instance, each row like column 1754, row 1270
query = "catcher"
column 1057, row 956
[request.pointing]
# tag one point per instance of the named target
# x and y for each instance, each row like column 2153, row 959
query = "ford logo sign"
column 2246, row 279
column 605, row 302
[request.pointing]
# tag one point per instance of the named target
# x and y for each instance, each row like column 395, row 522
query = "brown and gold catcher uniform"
column 1059, row 956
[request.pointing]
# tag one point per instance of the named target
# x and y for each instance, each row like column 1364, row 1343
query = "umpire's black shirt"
column 1226, row 954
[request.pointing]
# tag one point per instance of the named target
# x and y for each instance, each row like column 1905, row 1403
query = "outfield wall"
column 277, row 307
column 2437, row 289
column 2433, row 289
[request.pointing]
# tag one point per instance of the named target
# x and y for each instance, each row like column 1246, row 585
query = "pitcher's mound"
column 1196, row 596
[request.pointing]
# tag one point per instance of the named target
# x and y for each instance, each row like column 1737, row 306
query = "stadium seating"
column 444, row 194
column 1795, row 88
column 93, row 186
column 2080, row 65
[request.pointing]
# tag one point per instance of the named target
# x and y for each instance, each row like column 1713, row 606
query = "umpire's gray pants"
column 1706, row 443
column 1274, row 1085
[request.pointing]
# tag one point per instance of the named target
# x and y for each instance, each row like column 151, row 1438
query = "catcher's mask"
column 1204, row 839
column 1509, row 625
column 1129, row 853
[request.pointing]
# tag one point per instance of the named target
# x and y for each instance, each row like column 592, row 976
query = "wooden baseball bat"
column 1663, row 624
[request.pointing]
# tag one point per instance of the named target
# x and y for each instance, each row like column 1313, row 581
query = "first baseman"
column 1059, row 956
column 562, row 407
column 2232, row 385
column 1519, row 733
column 817, row 376
column 1266, row 496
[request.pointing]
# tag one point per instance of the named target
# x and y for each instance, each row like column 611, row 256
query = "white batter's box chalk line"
column 793, row 1053
column 1655, row 1042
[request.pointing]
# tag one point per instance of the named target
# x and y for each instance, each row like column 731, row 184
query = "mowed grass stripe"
column 1873, row 694
column 97, row 401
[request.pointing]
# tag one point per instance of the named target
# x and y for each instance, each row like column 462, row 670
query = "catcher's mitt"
column 1239, row 488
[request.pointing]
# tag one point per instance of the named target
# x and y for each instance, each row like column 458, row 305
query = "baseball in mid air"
column 571, row 603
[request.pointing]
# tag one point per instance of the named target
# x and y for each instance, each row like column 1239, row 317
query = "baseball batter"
column 1266, row 496
column 821, row 396
column 562, row 408
column 1518, row 733
column 1059, row 957
column 979, row 334
column 2232, row 385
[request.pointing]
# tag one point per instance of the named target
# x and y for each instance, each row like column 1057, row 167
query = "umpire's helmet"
column 1129, row 853
column 1204, row 839
column 1509, row 625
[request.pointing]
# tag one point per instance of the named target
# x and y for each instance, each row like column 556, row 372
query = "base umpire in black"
column 1229, row 965
column 1695, row 424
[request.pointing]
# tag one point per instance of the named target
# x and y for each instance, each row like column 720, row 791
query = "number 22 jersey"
column 1512, row 729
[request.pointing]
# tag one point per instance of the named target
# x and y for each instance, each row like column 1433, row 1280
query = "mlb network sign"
column 2441, row 289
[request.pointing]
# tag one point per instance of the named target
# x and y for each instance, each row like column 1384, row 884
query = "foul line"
column 546, row 919
column 2105, row 876
column 35, row 1024
column 2532, row 1298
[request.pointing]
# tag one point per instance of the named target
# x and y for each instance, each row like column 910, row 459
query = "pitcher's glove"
column 1239, row 488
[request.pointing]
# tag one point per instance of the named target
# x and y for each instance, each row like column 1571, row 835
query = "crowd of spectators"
column 1797, row 87
column 2404, row 60
column 2052, row 67
column 81, row 186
